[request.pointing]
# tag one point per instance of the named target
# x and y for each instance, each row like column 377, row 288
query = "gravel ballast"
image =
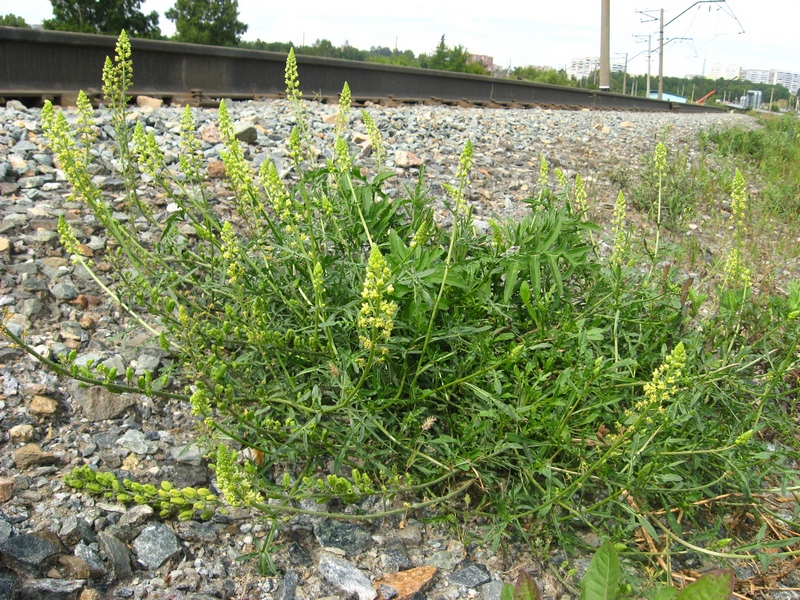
column 55, row 543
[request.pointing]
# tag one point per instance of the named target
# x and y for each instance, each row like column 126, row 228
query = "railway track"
column 36, row 65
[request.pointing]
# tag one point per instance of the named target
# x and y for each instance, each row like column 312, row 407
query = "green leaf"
column 667, row 593
column 508, row 592
column 715, row 585
column 511, row 282
column 602, row 576
column 525, row 292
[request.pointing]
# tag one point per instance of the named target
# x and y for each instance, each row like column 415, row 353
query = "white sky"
column 538, row 32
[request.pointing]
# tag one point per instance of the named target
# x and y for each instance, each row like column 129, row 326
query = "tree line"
column 212, row 22
column 691, row 88
column 216, row 22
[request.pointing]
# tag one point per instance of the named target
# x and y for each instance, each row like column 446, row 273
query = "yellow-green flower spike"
column 736, row 273
column 190, row 145
column 660, row 159
column 67, row 236
column 342, row 155
column 237, row 169
column 375, row 137
column 543, row 172
column 376, row 317
column 619, row 230
column 343, row 114
column 291, row 77
column 580, row 195
column 118, row 75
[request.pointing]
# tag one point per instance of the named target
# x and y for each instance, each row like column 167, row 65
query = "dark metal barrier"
column 51, row 63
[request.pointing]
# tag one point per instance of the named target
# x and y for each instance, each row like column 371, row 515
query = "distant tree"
column 539, row 75
column 381, row 51
column 103, row 16
column 268, row 46
column 10, row 20
column 445, row 58
column 210, row 22
column 440, row 57
column 403, row 58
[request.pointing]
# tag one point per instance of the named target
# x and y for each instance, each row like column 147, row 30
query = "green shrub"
column 358, row 347
column 774, row 149
column 602, row 582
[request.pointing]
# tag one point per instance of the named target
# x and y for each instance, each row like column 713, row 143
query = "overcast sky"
column 537, row 32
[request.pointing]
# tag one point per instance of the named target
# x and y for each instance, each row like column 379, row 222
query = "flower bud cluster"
column 231, row 253
column 375, row 137
column 237, row 170
column 235, row 484
column 118, row 75
column 619, row 230
column 664, row 384
column 190, row 145
column 543, row 173
column 342, row 115
column 376, row 316
column 151, row 158
column 735, row 273
column 580, row 195
column 660, row 159
column 168, row 500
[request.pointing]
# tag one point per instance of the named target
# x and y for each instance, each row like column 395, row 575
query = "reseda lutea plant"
column 354, row 346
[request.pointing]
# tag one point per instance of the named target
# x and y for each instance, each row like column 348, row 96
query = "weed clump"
column 337, row 343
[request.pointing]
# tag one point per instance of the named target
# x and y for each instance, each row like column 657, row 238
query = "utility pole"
column 605, row 44
column 625, row 75
column 661, row 27
column 661, row 57
column 649, row 38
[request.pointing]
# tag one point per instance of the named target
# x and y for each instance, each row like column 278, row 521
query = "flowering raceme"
column 376, row 317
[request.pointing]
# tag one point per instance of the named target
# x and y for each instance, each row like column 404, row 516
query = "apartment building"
column 787, row 79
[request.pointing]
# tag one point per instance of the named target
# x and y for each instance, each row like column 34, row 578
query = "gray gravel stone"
column 75, row 529
column 136, row 441
column 117, row 554
column 188, row 453
column 50, row 589
column 349, row 537
column 394, row 556
column 491, row 590
column 64, row 291
column 6, row 529
column 470, row 575
column 156, row 545
column 344, row 576
column 96, row 567
column 31, row 553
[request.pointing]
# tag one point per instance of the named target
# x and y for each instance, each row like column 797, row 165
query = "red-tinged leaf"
column 526, row 588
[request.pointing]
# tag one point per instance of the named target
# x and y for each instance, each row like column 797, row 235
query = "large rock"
column 49, row 589
column 99, row 404
column 148, row 102
column 32, row 455
column 245, row 132
column 405, row 585
column 31, row 554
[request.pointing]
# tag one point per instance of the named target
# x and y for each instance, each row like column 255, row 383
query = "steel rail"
column 56, row 65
